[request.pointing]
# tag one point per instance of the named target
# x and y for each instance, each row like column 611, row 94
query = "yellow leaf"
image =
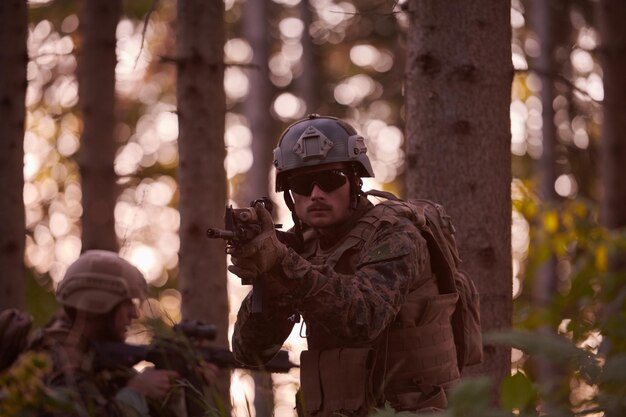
column 568, row 220
column 580, row 210
column 551, row 221
column 602, row 258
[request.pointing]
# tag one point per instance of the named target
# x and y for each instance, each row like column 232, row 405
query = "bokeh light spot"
column 288, row 106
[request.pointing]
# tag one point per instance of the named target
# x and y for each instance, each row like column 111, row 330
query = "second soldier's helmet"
column 99, row 280
column 319, row 140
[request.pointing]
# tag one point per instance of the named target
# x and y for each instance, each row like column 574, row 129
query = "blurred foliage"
column 23, row 393
column 41, row 303
column 579, row 332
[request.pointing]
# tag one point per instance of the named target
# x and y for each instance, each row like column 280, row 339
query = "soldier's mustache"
column 319, row 206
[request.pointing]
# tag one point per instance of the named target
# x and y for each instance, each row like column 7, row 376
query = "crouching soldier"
column 98, row 294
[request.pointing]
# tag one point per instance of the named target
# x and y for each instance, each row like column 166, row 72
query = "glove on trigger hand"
column 262, row 253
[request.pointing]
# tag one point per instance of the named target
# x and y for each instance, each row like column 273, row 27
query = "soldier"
column 98, row 294
column 377, row 327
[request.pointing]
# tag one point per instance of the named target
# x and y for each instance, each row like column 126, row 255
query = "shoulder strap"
column 436, row 227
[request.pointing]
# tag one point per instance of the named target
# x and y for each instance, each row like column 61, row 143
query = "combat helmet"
column 319, row 140
column 99, row 280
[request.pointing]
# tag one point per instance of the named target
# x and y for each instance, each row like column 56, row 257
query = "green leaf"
column 557, row 349
column 517, row 392
column 389, row 411
column 471, row 395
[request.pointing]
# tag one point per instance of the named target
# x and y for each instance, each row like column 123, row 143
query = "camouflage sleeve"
column 84, row 387
column 132, row 403
column 258, row 337
column 90, row 401
column 357, row 308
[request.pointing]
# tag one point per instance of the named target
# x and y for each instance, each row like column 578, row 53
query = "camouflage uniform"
column 93, row 286
column 359, row 292
column 378, row 328
column 96, row 392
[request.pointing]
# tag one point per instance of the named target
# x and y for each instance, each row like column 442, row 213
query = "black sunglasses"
column 327, row 180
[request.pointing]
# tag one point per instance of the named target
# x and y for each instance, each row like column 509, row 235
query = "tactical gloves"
column 262, row 253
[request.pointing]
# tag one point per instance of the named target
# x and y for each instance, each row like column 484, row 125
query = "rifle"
column 174, row 352
column 113, row 354
column 241, row 225
column 177, row 352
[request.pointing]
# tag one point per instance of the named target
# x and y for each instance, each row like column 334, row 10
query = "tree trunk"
column 201, row 174
column 96, row 72
column 458, row 92
column 546, row 68
column 13, row 55
column 308, row 82
column 260, row 121
column 547, row 22
column 259, row 102
column 611, row 18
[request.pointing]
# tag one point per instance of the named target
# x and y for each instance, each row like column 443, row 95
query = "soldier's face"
column 124, row 313
column 328, row 203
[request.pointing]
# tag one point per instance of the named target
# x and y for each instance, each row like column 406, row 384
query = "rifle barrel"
column 214, row 233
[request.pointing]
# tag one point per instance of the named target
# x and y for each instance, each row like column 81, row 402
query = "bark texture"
column 458, row 91
column 259, row 102
column 308, row 81
column 549, row 22
column 612, row 53
column 611, row 18
column 13, row 56
column 96, row 72
column 201, row 175
column 256, row 15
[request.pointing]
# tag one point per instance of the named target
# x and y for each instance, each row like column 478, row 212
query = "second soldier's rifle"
column 173, row 352
column 180, row 351
column 241, row 225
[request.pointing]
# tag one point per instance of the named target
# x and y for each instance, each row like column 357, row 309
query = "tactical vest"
column 411, row 364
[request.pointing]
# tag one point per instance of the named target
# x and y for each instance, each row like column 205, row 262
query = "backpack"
column 437, row 228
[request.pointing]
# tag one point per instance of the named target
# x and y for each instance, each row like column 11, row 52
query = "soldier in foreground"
column 97, row 294
column 378, row 328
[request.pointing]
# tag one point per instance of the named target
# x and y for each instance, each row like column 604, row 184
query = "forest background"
column 130, row 125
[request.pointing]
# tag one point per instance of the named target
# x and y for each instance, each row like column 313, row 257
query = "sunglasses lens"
column 327, row 180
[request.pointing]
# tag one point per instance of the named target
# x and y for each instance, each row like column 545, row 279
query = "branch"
column 365, row 13
column 168, row 59
column 146, row 19
column 562, row 79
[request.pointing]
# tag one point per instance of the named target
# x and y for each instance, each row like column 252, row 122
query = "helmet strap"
column 355, row 188
column 292, row 207
column 289, row 201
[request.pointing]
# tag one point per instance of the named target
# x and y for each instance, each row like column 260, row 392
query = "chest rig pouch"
column 336, row 382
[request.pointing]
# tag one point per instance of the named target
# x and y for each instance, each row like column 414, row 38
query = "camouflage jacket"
column 348, row 304
column 96, row 393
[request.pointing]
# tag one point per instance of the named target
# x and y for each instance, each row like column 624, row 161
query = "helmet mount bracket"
column 312, row 144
